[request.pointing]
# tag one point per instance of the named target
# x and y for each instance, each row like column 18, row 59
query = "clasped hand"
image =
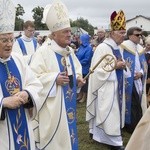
column 16, row 100
column 120, row 64
column 80, row 82
column 138, row 75
column 62, row 79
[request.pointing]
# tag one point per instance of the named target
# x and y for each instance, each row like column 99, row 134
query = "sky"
column 97, row 12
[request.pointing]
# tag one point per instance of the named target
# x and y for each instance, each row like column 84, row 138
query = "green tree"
column 84, row 24
column 37, row 16
column 19, row 22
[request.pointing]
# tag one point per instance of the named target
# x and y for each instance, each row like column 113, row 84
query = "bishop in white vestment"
column 59, row 70
column 19, row 89
column 106, row 102
column 12, row 132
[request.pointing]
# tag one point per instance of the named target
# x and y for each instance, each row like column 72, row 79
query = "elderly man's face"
column 101, row 34
column 6, row 43
column 118, row 36
column 62, row 37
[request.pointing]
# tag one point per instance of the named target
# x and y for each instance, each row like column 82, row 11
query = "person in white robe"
column 27, row 44
column 59, row 70
column 105, row 108
column 134, row 55
column 19, row 89
column 139, row 140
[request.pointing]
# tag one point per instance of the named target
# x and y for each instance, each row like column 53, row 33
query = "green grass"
column 85, row 143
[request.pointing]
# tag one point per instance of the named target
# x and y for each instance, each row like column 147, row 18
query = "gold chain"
column 7, row 69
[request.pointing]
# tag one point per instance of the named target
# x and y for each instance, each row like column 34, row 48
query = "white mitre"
column 45, row 12
column 57, row 16
column 7, row 16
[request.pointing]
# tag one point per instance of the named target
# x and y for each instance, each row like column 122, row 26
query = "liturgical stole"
column 70, row 100
column 22, row 46
column 10, row 81
column 130, row 59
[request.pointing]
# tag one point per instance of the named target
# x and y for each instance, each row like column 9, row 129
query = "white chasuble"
column 33, row 86
column 103, row 113
column 51, row 127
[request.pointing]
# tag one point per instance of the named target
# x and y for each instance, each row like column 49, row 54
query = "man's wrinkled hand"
column 80, row 81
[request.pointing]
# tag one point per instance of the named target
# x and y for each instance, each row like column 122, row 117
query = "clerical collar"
column 4, row 60
column 111, row 42
column 24, row 37
column 134, row 45
column 58, row 49
column 66, row 50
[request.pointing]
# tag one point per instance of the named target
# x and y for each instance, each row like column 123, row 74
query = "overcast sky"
column 97, row 12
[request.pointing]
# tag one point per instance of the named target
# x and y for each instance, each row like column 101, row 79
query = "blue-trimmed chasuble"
column 130, row 60
column 22, row 46
column 10, row 80
column 70, row 102
column 119, row 73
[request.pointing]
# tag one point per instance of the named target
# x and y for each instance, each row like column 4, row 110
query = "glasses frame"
column 6, row 41
column 137, row 35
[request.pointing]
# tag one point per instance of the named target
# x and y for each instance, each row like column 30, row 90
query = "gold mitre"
column 57, row 16
column 118, row 21
column 7, row 16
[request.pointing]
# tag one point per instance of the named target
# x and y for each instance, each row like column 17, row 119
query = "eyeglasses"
column 137, row 35
column 31, row 30
column 5, row 41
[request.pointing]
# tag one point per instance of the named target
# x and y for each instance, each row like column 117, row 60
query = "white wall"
column 41, row 32
column 139, row 22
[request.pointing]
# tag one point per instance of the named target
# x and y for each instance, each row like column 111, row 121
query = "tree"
column 84, row 24
column 19, row 22
column 37, row 16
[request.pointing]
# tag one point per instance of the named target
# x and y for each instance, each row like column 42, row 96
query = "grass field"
column 85, row 143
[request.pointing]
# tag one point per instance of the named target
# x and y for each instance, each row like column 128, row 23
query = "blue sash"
column 11, row 85
column 119, row 73
column 22, row 46
column 70, row 103
column 144, row 66
column 130, row 60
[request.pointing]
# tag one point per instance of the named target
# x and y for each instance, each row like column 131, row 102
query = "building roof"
column 148, row 18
